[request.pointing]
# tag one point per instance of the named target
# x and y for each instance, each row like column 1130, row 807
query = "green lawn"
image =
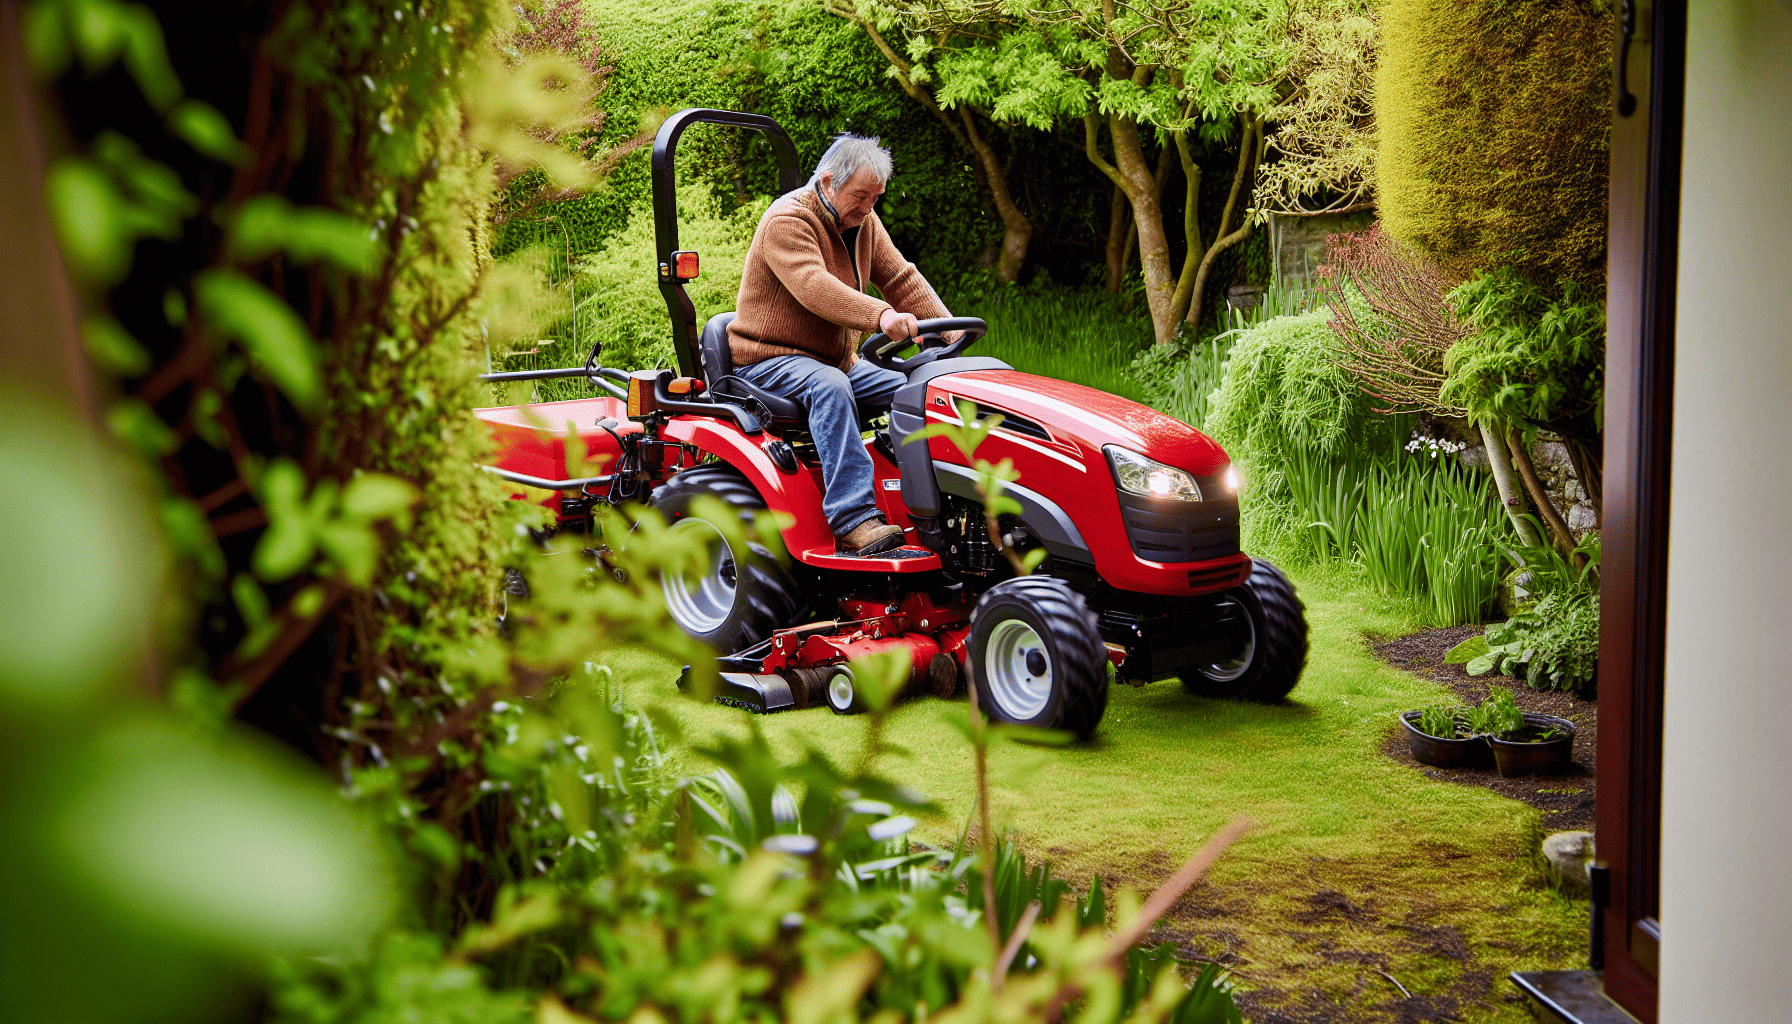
column 1358, row 865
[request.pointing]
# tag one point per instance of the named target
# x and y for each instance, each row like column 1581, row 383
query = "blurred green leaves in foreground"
column 168, row 856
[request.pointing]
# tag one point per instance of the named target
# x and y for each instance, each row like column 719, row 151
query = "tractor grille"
column 1180, row 531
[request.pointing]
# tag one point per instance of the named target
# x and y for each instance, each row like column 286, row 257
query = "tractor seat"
column 788, row 417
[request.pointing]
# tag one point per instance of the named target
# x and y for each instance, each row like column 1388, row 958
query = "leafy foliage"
column 1492, row 125
column 1284, row 393
column 1535, row 356
column 1324, row 137
column 1553, row 645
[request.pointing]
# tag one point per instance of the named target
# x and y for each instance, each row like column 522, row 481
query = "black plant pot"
column 1552, row 757
column 1442, row 753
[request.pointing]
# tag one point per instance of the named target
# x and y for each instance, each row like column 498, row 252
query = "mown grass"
column 1358, row 864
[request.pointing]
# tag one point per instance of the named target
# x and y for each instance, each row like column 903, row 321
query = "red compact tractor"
column 1137, row 513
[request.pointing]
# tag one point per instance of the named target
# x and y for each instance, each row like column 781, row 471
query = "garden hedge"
column 1493, row 121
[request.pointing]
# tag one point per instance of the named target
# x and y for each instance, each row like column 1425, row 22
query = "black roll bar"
column 665, row 211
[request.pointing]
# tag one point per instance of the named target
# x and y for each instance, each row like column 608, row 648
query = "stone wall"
column 1297, row 244
column 1554, row 467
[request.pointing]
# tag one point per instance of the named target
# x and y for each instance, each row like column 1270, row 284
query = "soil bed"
column 1565, row 800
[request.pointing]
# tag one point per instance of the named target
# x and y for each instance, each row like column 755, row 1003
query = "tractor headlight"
column 1232, row 479
column 1153, row 479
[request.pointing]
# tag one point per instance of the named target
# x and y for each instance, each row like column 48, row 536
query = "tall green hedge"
column 1493, row 120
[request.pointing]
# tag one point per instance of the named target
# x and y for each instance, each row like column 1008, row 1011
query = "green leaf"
column 270, row 332
column 138, row 425
column 111, row 348
column 1482, row 664
column 353, row 547
column 206, row 130
column 267, row 223
column 379, row 496
column 89, row 218
column 1466, row 651
column 251, row 603
column 289, row 542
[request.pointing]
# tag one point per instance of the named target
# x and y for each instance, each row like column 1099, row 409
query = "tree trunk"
column 1017, row 231
column 1119, row 233
column 1191, row 225
column 1499, row 459
column 1135, row 176
column 1590, row 473
column 1552, row 518
column 1250, row 147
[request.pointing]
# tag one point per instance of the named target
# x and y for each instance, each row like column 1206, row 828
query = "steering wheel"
column 881, row 349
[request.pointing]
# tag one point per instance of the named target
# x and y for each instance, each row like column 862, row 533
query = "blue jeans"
column 833, row 399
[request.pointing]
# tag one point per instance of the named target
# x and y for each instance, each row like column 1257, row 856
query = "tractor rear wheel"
column 1275, row 648
column 1037, row 658
column 742, row 594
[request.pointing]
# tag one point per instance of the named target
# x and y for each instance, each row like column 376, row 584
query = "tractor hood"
column 1078, row 416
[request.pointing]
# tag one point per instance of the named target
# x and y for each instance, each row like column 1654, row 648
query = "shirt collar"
column 828, row 207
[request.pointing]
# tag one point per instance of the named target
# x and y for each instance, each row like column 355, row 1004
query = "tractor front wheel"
column 1037, row 657
column 742, row 594
column 1274, row 651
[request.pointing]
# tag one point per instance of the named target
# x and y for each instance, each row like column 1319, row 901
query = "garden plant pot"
column 1442, row 753
column 1553, row 757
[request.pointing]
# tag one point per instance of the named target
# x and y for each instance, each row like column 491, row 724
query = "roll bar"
column 665, row 212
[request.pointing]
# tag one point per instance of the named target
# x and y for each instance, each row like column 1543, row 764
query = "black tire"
column 745, row 596
column 1276, row 654
column 1037, row 658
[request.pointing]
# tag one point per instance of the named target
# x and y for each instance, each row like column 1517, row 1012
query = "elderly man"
column 802, row 306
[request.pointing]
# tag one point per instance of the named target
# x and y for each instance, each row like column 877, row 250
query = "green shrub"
column 1535, row 360
column 1553, row 645
column 1282, row 397
column 1493, row 121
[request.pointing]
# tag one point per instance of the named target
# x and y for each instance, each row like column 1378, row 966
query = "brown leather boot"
column 870, row 537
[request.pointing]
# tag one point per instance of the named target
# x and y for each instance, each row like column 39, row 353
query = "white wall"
column 1726, row 890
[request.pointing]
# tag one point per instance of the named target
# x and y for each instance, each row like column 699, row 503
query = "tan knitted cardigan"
column 800, row 294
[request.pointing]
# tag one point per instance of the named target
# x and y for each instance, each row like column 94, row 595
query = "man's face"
column 854, row 199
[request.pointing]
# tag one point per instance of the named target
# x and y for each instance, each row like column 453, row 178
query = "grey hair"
column 851, row 154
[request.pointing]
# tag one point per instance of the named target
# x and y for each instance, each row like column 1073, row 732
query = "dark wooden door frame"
column 1640, row 304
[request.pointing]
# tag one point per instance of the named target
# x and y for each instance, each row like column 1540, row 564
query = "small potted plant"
column 1445, row 737
column 1524, row 743
column 1493, row 734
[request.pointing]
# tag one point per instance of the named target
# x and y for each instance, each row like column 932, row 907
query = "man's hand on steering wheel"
column 903, row 326
column 900, row 326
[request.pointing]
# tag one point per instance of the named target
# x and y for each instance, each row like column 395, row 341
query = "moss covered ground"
column 1360, row 872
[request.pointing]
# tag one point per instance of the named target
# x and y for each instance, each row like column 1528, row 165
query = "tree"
column 1192, row 71
column 1323, row 143
column 1017, row 230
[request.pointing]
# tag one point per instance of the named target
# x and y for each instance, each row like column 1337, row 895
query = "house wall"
column 1726, row 851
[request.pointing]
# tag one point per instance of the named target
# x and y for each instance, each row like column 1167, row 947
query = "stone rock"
column 1515, row 592
column 1473, row 457
column 1573, row 492
column 1582, row 517
column 1567, row 856
column 1244, row 296
column 1552, row 455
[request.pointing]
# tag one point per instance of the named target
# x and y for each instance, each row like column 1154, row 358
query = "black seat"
column 788, row 417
